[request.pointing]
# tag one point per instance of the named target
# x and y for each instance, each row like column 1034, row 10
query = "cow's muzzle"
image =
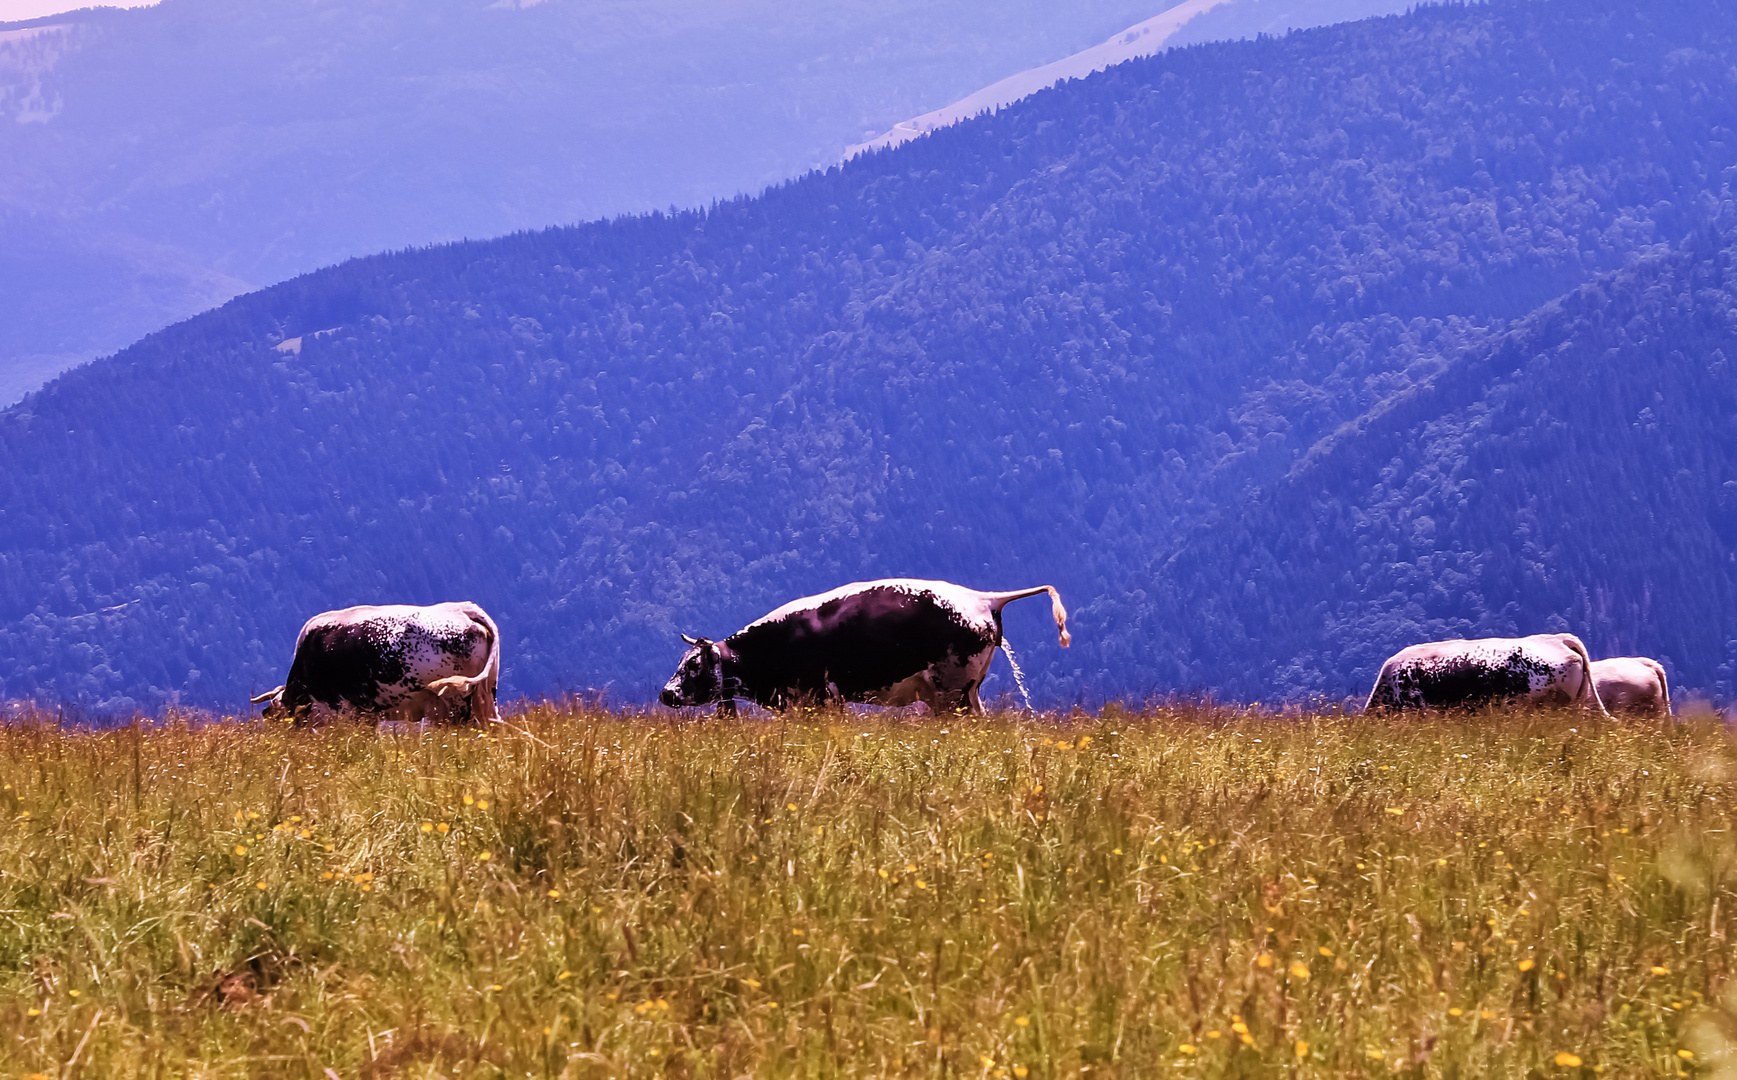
column 671, row 698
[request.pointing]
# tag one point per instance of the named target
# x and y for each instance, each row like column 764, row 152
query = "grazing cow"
column 394, row 662
column 888, row 642
column 1632, row 684
column 1544, row 669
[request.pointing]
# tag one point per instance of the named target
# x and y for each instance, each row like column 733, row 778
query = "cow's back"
column 858, row 643
column 1462, row 673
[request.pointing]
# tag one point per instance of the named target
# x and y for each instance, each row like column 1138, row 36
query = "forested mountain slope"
column 1242, row 347
column 1577, row 471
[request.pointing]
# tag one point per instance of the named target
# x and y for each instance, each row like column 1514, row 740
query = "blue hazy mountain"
column 1273, row 355
column 158, row 161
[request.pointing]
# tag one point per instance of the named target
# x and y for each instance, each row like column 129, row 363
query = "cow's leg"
column 931, row 697
column 482, row 704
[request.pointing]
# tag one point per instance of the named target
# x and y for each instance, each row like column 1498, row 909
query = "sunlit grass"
column 582, row 894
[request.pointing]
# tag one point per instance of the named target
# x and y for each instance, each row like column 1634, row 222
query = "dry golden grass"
column 579, row 894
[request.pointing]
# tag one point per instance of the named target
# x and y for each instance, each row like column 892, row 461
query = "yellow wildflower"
column 1567, row 1060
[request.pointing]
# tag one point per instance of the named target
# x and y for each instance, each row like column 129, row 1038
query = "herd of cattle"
column 890, row 642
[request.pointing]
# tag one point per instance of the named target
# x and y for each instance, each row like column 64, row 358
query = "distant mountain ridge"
column 160, row 161
column 1229, row 19
column 1272, row 356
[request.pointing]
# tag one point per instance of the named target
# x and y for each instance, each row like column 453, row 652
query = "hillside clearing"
column 586, row 894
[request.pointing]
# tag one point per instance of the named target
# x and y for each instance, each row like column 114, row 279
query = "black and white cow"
column 1543, row 669
column 888, row 642
column 1632, row 684
column 394, row 662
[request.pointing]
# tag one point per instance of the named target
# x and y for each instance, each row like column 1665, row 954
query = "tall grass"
column 579, row 894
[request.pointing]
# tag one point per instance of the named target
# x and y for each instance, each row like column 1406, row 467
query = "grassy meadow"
column 585, row 894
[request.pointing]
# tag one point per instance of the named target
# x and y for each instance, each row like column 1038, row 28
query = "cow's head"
column 699, row 678
column 273, row 702
column 454, row 693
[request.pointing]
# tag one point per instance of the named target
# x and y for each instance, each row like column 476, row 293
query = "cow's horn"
column 690, row 640
column 267, row 696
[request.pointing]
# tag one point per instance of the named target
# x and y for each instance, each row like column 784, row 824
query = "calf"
column 888, row 642
column 393, row 662
column 1632, row 684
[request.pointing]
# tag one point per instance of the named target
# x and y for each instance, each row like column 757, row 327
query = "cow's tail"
column 1588, row 696
column 1378, row 699
column 1664, row 684
column 482, row 686
column 1000, row 600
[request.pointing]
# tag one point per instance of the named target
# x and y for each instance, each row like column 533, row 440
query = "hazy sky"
column 12, row 10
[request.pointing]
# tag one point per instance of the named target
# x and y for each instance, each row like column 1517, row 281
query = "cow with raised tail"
column 1543, row 669
column 394, row 662
column 888, row 642
column 1632, row 684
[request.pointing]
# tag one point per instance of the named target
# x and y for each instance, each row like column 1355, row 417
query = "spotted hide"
column 1632, row 684
column 393, row 662
column 1544, row 669
column 888, row 642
